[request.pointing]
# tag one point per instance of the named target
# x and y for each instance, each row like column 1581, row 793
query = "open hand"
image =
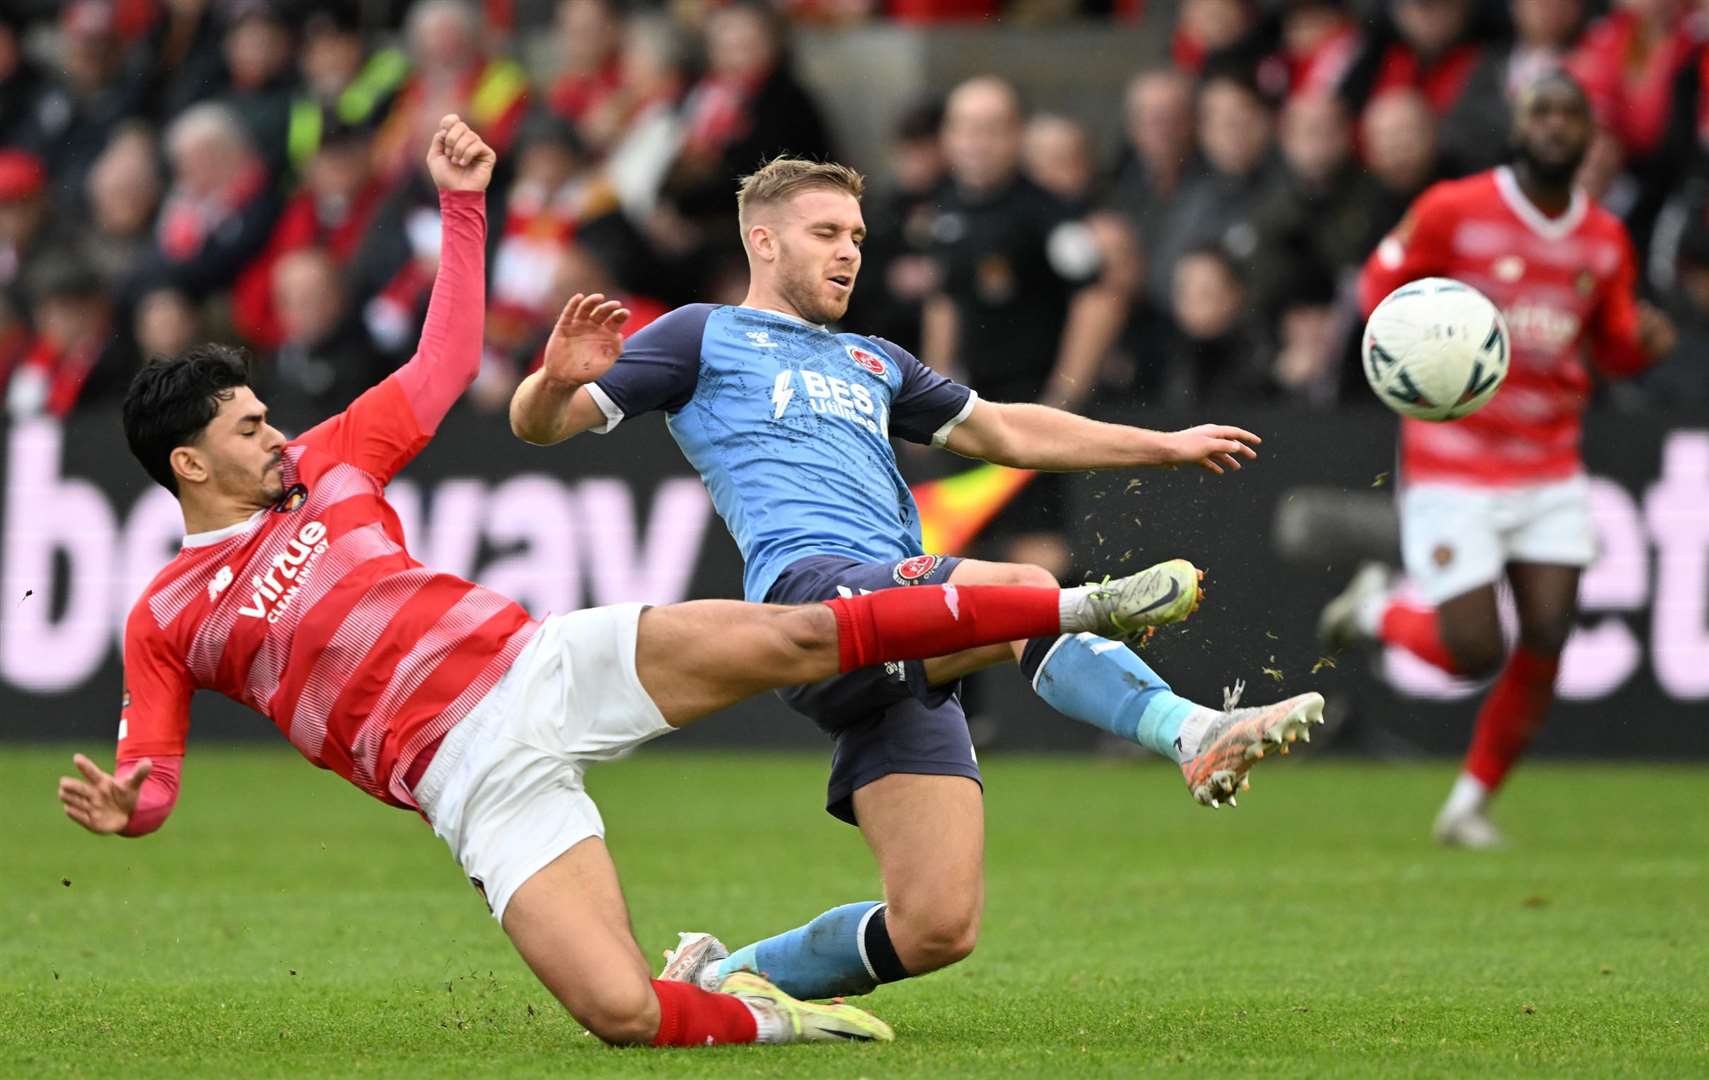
column 586, row 341
column 457, row 159
column 101, row 802
column 1217, row 447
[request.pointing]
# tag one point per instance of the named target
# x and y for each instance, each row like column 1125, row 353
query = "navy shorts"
column 885, row 719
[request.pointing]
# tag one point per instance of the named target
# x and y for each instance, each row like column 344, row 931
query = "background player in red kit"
column 294, row 595
column 1502, row 492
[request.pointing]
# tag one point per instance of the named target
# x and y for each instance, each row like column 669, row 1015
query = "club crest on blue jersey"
column 915, row 570
column 867, row 361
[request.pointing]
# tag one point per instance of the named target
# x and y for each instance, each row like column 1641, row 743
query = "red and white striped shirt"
column 312, row 612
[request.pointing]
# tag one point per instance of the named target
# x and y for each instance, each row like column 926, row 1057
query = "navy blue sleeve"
column 928, row 406
column 659, row 367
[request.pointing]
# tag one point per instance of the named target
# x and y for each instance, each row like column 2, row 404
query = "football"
column 1435, row 349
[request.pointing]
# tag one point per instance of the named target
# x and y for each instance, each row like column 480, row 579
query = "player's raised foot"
column 806, row 1021
column 694, row 960
column 1343, row 623
column 1130, row 607
column 1235, row 739
column 1467, row 829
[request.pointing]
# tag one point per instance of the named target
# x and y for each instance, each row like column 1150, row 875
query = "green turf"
column 285, row 925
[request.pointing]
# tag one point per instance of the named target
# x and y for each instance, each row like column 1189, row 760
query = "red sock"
column 1416, row 630
column 935, row 620
column 1511, row 714
column 690, row 1016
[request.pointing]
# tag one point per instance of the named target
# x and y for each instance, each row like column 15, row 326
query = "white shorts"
column 1459, row 537
column 504, row 789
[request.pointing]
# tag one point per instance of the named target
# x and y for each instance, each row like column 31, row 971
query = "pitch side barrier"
column 609, row 520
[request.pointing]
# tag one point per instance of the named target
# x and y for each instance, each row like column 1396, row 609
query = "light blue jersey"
column 789, row 426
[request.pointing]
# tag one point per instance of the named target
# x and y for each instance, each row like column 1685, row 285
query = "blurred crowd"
column 173, row 170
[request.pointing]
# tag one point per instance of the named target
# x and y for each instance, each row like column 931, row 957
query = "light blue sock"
column 820, row 960
column 1104, row 683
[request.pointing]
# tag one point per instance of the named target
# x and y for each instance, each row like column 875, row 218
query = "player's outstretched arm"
column 134, row 802
column 1039, row 437
column 449, row 356
column 550, row 405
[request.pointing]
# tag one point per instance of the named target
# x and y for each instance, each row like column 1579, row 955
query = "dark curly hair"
column 171, row 401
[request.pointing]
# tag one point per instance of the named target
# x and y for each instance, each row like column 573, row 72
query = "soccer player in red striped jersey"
column 1502, row 493
column 294, row 595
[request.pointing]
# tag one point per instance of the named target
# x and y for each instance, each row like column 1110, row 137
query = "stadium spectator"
column 556, row 200
column 24, row 224
column 897, row 271
column 1431, row 49
column 1220, row 356
column 1398, row 133
column 451, row 73
column 1022, row 313
column 1058, row 156
column 1235, row 130
column 165, row 323
column 338, row 200
column 1160, row 152
column 324, row 359
column 73, row 354
column 341, row 82
column 1319, row 42
column 1316, row 363
column 1320, row 217
column 590, row 43
column 1208, row 30
column 96, row 92
column 1474, row 132
column 124, row 192
column 1627, row 62
column 25, row 91
column 1158, row 156
column 638, row 127
column 186, row 60
column 394, row 266
column 745, row 110
column 219, row 210
column 261, row 80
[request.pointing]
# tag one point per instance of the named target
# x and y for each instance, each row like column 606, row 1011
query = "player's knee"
column 622, row 1015
column 803, row 633
column 936, row 939
column 1477, row 658
column 1033, row 576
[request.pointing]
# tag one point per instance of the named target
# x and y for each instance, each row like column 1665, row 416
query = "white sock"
column 1368, row 615
column 1075, row 616
column 1193, row 732
column 1469, row 796
column 768, row 1023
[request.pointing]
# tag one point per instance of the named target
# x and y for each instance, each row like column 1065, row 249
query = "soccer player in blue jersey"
column 788, row 423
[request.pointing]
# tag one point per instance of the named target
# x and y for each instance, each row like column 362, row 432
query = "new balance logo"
column 220, row 582
column 275, row 589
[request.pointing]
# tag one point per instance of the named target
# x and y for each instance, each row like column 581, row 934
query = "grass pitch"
column 283, row 924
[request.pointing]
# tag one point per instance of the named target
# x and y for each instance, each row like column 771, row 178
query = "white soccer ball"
column 1435, row 349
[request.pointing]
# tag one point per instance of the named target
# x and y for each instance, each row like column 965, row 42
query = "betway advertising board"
column 607, row 520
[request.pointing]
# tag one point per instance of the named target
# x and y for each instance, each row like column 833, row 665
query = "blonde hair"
column 782, row 177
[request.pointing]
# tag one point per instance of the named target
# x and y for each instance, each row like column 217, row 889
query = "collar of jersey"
column 1549, row 228
column 784, row 315
column 214, row 536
